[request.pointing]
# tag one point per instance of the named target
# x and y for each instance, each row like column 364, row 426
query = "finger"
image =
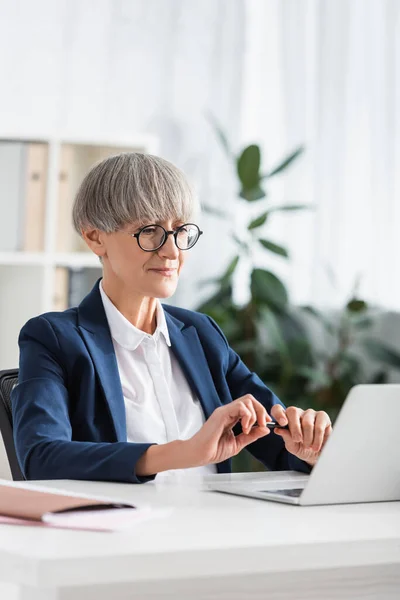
column 307, row 424
column 261, row 414
column 250, row 402
column 284, row 433
column 293, row 415
column 243, row 439
column 247, row 418
column 321, row 423
column 232, row 413
column 279, row 414
column 327, row 433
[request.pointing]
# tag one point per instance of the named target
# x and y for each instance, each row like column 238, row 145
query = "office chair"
column 8, row 379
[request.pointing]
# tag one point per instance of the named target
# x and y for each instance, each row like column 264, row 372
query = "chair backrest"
column 8, row 379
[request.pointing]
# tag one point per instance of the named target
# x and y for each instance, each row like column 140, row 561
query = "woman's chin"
column 165, row 291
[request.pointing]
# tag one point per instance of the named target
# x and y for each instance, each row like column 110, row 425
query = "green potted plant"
column 269, row 333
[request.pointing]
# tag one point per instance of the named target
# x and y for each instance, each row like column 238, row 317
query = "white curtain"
column 326, row 74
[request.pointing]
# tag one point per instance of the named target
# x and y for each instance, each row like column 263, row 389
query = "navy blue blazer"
column 68, row 407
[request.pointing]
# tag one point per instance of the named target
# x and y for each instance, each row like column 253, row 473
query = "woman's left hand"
column 308, row 431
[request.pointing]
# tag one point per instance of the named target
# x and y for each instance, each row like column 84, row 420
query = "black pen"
column 273, row 425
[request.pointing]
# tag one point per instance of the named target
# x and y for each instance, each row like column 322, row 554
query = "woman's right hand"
column 216, row 442
column 213, row 443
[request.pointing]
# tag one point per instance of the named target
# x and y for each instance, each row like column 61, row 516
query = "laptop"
column 360, row 462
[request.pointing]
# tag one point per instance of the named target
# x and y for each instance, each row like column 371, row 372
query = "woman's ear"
column 94, row 238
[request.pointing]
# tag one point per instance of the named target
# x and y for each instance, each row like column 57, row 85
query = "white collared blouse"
column 159, row 404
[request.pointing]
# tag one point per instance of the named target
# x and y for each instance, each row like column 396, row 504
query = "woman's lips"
column 165, row 272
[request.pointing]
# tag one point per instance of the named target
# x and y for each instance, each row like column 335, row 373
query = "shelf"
column 54, row 271
column 75, row 259
column 68, row 259
column 149, row 142
column 24, row 258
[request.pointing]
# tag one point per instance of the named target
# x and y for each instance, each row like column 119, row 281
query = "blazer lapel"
column 96, row 333
column 185, row 345
column 187, row 348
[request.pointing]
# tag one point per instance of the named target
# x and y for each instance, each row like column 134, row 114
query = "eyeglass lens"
column 152, row 237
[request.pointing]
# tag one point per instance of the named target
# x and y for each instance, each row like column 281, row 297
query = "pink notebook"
column 24, row 504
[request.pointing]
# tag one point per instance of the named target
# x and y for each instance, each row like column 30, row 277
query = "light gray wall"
column 117, row 67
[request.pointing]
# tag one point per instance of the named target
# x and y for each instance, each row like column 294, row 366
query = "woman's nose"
column 169, row 249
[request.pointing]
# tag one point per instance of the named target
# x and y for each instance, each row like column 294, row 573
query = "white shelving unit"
column 27, row 279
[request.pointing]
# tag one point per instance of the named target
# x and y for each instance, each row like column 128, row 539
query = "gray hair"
column 132, row 187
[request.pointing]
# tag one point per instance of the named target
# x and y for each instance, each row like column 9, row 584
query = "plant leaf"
column 244, row 346
column 260, row 220
column 240, row 243
column 255, row 193
column 275, row 334
column 267, row 289
column 214, row 211
column 378, row 351
column 361, row 322
column 285, row 163
column 248, row 167
column 272, row 247
column 226, row 277
column 218, row 304
column 290, row 207
column 207, row 281
column 317, row 376
column 220, row 134
column 379, row 377
column 292, row 327
column 330, row 327
column 350, row 365
column 356, row 306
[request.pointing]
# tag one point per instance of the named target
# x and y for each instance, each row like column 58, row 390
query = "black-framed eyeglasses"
column 153, row 237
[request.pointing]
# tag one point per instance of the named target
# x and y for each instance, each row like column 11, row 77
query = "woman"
column 122, row 388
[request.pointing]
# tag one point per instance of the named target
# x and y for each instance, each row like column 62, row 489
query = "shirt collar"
column 126, row 334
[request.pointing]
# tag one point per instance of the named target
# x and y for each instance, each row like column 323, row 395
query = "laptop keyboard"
column 293, row 493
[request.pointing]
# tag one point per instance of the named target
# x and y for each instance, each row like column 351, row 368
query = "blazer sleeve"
column 41, row 425
column 270, row 450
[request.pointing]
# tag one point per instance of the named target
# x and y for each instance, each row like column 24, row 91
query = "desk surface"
column 206, row 534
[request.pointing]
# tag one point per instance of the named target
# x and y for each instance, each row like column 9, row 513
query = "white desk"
column 212, row 546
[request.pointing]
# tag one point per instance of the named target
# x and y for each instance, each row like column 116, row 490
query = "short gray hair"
column 132, row 187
